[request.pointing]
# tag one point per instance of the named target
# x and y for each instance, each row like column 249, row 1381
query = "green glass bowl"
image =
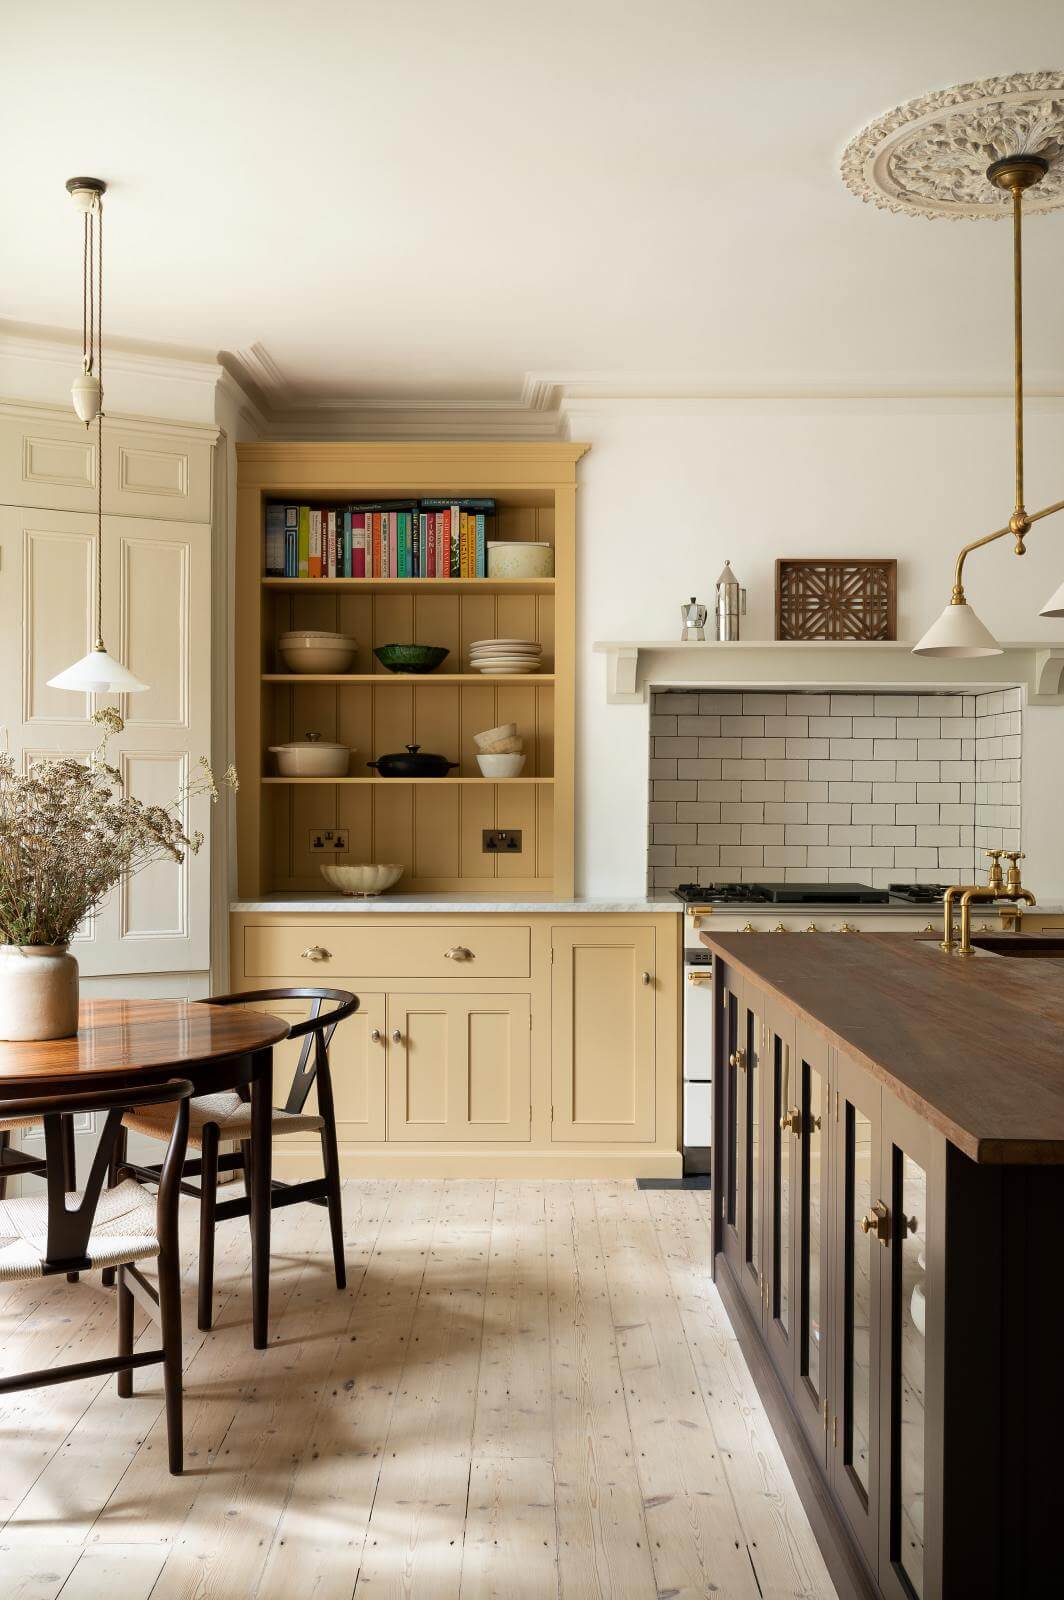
column 411, row 657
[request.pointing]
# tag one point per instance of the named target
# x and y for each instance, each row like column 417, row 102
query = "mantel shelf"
column 635, row 666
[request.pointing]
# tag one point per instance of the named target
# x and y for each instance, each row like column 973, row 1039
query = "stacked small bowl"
column 506, row 657
column 500, row 751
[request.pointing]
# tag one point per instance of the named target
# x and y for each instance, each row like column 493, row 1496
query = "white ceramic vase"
column 38, row 992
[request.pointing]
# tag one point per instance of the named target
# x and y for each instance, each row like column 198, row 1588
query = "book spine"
column 481, row 546
column 375, row 544
column 391, row 518
column 343, row 544
column 464, row 547
column 314, row 560
column 291, row 541
column 400, row 545
column 274, row 552
column 455, row 541
column 427, row 524
column 304, row 542
column 330, row 563
column 358, row 544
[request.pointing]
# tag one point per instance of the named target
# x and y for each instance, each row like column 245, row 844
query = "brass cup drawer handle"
column 458, row 952
column 316, row 952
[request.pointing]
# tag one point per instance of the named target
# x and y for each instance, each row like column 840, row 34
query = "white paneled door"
column 157, row 620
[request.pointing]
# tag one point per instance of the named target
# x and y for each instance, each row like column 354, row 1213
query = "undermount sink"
column 1031, row 946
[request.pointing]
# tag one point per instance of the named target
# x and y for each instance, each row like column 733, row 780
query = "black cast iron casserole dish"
column 413, row 762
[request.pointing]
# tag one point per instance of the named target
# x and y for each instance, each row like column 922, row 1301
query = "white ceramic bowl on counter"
column 312, row 757
column 363, row 881
column 314, row 650
column 504, row 766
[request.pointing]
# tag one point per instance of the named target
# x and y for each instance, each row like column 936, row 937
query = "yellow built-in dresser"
column 535, row 1037
column 496, row 1043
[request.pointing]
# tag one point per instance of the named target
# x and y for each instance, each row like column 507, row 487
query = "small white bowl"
column 363, row 880
column 500, row 766
column 505, row 730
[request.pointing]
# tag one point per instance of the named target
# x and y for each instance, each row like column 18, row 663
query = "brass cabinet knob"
column 816, row 1124
column 458, row 953
column 877, row 1221
column 779, row 928
column 907, row 1225
column 867, row 1223
column 737, row 1058
column 375, row 1036
column 747, row 927
column 645, row 979
column 316, row 952
column 791, row 1121
column 397, row 1037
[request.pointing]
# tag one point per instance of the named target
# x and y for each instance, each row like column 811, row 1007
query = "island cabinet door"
column 910, row 1512
column 727, row 1156
column 459, row 1067
column 812, row 1236
column 750, row 1083
column 783, row 1126
column 861, row 1225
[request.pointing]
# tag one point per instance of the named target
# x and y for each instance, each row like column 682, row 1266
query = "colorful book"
column 304, row 543
column 454, row 538
column 275, row 527
column 392, row 519
column 358, row 544
column 427, row 533
column 314, row 558
column 480, row 545
column 329, row 554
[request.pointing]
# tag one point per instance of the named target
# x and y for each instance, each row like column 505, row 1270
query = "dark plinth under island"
column 888, row 1216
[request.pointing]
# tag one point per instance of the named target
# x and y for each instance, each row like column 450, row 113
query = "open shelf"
column 408, row 680
column 484, row 783
column 410, row 585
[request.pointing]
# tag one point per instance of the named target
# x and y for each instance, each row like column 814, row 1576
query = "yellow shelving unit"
column 434, row 826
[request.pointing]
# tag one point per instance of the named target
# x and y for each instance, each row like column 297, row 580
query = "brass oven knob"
column 846, row 927
column 812, row 928
column 791, row 1121
column 779, row 928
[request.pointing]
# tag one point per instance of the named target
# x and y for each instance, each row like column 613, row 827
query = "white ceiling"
column 432, row 199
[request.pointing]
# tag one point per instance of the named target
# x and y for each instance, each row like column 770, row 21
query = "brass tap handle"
column 737, row 1058
column 1014, row 855
column 791, row 1121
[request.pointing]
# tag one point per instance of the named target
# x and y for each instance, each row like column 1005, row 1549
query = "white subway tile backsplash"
column 877, row 787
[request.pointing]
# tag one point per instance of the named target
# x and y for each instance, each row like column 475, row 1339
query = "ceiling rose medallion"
column 929, row 157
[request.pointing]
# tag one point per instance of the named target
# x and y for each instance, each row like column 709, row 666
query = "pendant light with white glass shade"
column 98, row 672
column 959, row 153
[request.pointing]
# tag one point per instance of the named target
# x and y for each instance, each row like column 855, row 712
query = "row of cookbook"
column 380, row 539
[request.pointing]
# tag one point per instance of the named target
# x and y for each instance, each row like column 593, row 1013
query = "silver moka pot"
column 731, row 604
column 694, row 617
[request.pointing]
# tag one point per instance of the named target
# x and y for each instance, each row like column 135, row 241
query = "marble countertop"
column 389, row 904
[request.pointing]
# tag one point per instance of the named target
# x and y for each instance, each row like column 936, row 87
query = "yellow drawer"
column 417, row 951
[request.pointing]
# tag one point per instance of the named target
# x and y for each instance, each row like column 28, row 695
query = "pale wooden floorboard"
column 526, row 1389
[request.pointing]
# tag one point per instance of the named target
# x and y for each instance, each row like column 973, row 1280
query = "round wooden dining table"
column 134, row 1043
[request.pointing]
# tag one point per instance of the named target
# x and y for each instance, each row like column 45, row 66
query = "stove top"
column 919, row 894
column 795, row 894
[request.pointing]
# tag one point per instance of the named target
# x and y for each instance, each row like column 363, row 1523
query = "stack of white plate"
column 506, row 656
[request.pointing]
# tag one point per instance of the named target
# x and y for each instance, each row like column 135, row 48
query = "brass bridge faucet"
column 998, row 887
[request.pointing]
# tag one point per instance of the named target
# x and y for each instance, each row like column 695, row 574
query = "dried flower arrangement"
column 69, row 832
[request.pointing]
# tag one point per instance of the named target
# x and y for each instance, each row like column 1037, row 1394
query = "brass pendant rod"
column 988, row 538
column 1017, row 324
column 98, row 218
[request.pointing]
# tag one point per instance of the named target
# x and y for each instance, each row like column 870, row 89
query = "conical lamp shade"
column 97, row 673
column 958, row 633
column 1054, row 606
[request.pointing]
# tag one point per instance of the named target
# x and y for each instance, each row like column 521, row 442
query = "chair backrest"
column 316, row 1031
column 69, row 1228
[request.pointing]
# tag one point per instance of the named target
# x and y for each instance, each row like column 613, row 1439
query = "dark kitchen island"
column 888, row 1207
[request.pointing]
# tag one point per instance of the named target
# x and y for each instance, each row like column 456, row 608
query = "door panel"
column 859, row 1202
column 813, row 1235
column 730, row 1067
column 603, row 1033
column 751, row 1139
column 783, row 1151
column 459, row 1067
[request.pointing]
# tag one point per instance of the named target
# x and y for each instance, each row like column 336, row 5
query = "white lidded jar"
column 38, row 992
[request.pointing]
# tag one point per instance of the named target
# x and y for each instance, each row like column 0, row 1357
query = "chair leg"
column 5, row 1140
column 170, row 1316
column 118, row 1156
column 208, row 1205
column 125, row 1331
column 331, row 1160
column 245, row 1157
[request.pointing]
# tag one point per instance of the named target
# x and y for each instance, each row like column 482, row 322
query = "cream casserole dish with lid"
column 311, row 757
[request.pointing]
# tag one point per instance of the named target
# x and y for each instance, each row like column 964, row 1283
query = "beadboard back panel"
column 873, row 788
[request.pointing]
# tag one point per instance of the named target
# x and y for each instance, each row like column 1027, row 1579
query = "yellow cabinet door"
column 602, row 1034
column 357, row 1066
column 459, row 1067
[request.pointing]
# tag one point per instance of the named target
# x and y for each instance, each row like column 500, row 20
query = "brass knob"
column 816, row 1123
column 458, row 952
column 877, row 1221
column 845, row 927
column 908, row 1225
column 867, row 1223
column 316, row 952
column 397, row 1037
column 375, row 1036
column 645, row 979
column 779, row 928
column 791, row 1121
column 747, row 927
column 737, row 1058
column 929, row 927
column 812, row 928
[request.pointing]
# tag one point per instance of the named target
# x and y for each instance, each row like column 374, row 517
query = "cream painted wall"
column 670, row 490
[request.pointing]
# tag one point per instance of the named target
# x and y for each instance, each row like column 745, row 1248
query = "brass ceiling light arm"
column 988, row 538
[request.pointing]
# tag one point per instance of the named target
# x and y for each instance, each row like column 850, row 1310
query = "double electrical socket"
column 502, row 841
column 332, row 840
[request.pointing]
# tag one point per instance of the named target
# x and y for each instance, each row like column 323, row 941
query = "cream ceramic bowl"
column 312, row 757
column 363, row 880
column 518, row 558
column 500, row 766
column 307, row 650
column 505, row 730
